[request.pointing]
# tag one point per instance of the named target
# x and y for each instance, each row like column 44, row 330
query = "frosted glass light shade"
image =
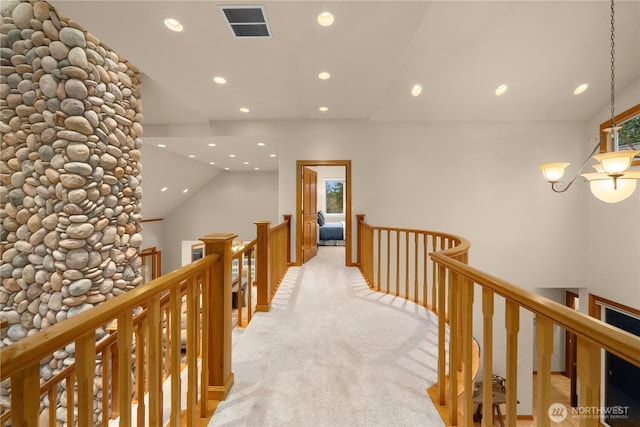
column 603, row 188
column 553, row 171
column 616, row 162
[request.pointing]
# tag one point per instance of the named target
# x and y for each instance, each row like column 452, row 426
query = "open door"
column 309, row 214
column 304, row 246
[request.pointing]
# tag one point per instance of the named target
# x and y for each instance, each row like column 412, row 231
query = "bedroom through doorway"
column 323, row 212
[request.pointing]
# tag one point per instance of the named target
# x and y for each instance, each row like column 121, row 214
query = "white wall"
column 613, row 258
column 152, row 234
column 230, row 203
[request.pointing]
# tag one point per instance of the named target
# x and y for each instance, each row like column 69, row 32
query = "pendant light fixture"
column 613, row 181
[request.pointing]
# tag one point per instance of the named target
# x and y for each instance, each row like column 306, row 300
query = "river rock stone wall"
column 70, row 172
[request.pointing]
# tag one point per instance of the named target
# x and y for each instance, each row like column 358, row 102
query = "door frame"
column 300, row 164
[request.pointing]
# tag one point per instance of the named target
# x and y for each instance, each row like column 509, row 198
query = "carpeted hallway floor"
column 332, row 353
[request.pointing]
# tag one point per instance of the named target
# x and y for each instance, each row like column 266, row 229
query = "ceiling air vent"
column 247, row 21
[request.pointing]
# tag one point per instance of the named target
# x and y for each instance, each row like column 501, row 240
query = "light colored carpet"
column 332, row 353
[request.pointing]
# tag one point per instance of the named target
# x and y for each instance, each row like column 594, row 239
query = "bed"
column 330, row 233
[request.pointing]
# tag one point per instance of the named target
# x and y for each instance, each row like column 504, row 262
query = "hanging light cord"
column 613, row 66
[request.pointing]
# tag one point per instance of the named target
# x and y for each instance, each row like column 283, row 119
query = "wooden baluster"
column 359, row 222
column 239, row 295
column 379, row 259
column 175, row 301
column 425, row 259
column 205, row 336
column 125, row 334
column 454, row 350
column 250, row 285
column 52, row 395
column 106, row 372
column 167, row 342
column 442, row 321
column 460, row 322
column 287, row 219
column 544, row 350
column 220, row 375
column 388, row 287
column 25, row 404
column 397, row 263
column 467, row 288
column 140, row 371
column 406, row 266
column 416, row 238
column 85, row 372
column 262, row 267
column 70, row 389
column 589, row 365
column 192, row 354
column 487, row 358
column 436, row 307
column 512, row 319
column 154, row 344
column 115, row 382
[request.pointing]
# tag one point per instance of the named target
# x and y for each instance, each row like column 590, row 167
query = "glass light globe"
column 602, row 186
column 553, row 171
column 616, row 162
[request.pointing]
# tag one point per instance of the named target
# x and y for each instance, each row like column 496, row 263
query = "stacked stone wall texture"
column 70, row 173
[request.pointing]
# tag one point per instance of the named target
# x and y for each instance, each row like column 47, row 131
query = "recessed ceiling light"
column 220, row 80
column 162, row 146
column 245, row 163
column 580, row 89
column 163, row 189
column 212, row 163
column 244, row 110
column 173, row 25
column 416, row 90
column 260, row 144
column 324, row 76
column 272, row 155
column 185, row 190
column 501, row 89
column 256, row 169
column 211, row 145
column 325, row 19
column 192, row 156
column 227, row 169
column 323, row 109
column 232, row 155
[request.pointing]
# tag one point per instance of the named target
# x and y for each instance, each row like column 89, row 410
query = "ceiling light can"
column 325, row 19
column 173, row 25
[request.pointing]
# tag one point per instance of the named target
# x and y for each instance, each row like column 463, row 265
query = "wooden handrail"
column 36, row 347
column 453, row 282
column 621, row 343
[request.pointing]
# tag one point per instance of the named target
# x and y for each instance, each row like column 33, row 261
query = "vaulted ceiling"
column 376, row 51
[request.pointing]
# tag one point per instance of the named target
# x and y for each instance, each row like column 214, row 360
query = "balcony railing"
column 436, row 275
column 134, row 345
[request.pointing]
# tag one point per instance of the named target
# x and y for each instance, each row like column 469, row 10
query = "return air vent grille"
column 247, row 21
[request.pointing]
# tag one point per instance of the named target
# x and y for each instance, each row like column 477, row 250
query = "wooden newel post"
column 262, row 267
column 219, row 345
column 287, row 219
column 360, row 220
